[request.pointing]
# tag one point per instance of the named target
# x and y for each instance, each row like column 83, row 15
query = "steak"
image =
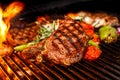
column 65, row 46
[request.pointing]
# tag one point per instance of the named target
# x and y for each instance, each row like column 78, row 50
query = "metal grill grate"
column 107, row 67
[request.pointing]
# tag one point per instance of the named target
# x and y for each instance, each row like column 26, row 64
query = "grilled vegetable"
column 92, row 53
column 108, row 34
column 91, row 42
column 23, row 46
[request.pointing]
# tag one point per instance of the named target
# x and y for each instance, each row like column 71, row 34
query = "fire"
column 5, row 16
column 3, row 28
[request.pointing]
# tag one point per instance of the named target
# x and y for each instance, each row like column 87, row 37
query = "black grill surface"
column 107, row 67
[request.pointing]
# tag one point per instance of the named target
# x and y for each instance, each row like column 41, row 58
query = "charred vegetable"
column 23, row 46
column 108, row 34
column 92, row 53
column 91, row 42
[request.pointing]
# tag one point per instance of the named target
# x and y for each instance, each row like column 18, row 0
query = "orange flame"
column 3, row 27
column 5, row 16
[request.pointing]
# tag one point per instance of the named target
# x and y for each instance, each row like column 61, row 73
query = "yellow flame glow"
column 3, row 28
column 5, row 16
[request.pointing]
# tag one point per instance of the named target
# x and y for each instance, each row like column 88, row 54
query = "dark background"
column 38, row 7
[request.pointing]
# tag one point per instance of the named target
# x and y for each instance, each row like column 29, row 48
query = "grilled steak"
column 22, row 32
column 65, row 46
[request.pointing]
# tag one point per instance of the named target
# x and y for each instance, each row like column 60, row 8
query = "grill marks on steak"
column 66, row 46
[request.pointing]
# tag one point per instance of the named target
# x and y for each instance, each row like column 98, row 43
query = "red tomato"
column 92, row 53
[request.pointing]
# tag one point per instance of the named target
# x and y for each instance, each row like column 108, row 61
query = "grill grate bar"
column 65, row 72
column 110, row 49
column 17, row 69
column 92, row 70
column 76, row 74
column 72, row 70
column 52, row 71
column 31, row 69
column 107, row 67
column 107, row 61
column 110, row 59
column 102, row 70
column 83, row 73
column 42, row 72
column 21, row 67
column 9, row 69
column 83, row 70
column 113, row 46
column 5, row 73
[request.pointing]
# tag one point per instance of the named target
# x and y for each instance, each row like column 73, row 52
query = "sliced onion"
column 118, row 30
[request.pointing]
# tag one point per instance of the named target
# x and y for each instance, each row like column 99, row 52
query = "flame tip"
column 6, row 15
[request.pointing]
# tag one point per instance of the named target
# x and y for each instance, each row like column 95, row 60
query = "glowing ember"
column 5, row 16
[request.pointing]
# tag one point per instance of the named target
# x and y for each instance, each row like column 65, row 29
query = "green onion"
column 23, row 46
